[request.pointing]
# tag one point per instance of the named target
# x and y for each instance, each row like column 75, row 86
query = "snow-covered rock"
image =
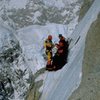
column 14, row 72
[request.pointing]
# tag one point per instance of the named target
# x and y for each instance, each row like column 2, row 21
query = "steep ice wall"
column 59, row 85
column 90, row 85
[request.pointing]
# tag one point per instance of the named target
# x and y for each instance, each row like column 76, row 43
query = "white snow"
column 77, row 7
column 72, row 25
column 56, row 3
column 64, row 13
column 59, row 3
column 16, row 96
column 70, row 75
column 71, row 1
column 36, row 15
column 17, row 4
column 41, row 77
column 32, row 38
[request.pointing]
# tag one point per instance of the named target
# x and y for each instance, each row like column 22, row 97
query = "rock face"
column 33, row 93
column 40, row 12
column 14, row 73
column 89, row 88
column 86, row 5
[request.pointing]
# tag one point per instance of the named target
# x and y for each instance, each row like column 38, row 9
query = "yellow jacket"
column 48, row 44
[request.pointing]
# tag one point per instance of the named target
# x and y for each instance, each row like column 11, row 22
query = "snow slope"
column 32, row 38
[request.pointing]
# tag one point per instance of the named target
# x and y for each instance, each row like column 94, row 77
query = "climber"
column 60, row 57
column 48, row 45
column 49, row 65
column 65, row 42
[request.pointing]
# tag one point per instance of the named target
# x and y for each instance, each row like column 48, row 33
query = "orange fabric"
column 49, row 62
column 61, row 44
column 62, row 38
column 50, row 37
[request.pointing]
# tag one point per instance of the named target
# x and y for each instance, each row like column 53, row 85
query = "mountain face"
column 15, row 72
column 89, row 88
column 40, row 12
